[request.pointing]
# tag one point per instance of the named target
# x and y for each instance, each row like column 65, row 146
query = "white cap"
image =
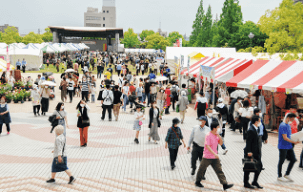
column 220, row 100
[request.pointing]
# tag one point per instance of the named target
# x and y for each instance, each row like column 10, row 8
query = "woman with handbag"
column 172, row 141
column 83, row 122
column 60, row 158
column 161, row 97
column 154, row 122
column 46, row 92
column 5, row 116
column 139, row 116
column 61, row 116
column 35, row 95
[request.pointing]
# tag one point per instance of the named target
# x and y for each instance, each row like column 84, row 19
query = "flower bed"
column 20, row 92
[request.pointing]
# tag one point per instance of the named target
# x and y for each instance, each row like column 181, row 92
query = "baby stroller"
column 134, row 99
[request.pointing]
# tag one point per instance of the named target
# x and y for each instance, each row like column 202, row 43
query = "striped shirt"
column 85, row 86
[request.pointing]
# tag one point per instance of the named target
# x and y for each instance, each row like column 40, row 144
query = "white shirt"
column 108, row 97
column 59, row 144
column 125, row 90
column 142, row 67
column 198, row 135
column 120, row 82
column 138, row 115
column 70, row 84
column 246, row 111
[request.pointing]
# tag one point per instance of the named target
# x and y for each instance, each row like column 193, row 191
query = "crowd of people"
column 141, row 92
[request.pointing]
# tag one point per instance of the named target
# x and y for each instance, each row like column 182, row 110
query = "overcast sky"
column 175, row 15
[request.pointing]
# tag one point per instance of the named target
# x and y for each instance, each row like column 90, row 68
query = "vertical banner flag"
column 181, row 66
column 7, row 59
column 180, row 41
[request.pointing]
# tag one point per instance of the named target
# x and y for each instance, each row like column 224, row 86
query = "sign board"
column 207, row 72
column 89, row 42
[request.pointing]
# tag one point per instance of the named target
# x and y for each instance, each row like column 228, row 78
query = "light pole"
column 251, row 36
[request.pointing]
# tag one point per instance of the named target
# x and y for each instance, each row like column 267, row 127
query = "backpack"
column 174, row 92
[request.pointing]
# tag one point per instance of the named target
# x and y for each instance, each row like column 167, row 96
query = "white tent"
column 33, row 57
column 3, row 45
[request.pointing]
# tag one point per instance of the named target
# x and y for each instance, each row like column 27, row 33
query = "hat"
column 220, row 100
column 202, row 118
column 176, row 121
column 131, row 82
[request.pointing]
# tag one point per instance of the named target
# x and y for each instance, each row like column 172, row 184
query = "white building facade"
column 105, row 18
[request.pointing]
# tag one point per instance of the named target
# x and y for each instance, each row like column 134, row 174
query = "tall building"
column 105, row 18
column 5, row 26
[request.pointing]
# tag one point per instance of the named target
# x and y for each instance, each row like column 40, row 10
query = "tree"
column 205, row 36
column 173, row 36
column 146, row 33
column 284, row 27
column 240, row 40
column 130, row 39
column 47, row 36
column 11, row 35
column 229, row 23
column 156, row 41
column 197, row 25
column 32, row 38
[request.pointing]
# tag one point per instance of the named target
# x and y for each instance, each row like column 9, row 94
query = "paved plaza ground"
column 113, row 162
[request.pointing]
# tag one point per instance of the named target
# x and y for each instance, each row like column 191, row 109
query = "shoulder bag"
column 180, row 143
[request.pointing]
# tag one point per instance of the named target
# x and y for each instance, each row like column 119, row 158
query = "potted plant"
column 15, row 98
column 28, row 95
column 9, row 97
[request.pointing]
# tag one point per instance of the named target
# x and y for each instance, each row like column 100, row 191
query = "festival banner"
column 7, row 60
column 207, row 73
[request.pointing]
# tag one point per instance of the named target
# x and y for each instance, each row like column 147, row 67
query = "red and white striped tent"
column 225, row 68
column 280, row 76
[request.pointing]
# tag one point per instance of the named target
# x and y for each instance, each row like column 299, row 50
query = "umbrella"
column 47, row 73
column 238, row 93
column 161, row 78
column 69, row 71
column 49, row 83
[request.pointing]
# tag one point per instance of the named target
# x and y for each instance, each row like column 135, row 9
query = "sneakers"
column 227, row 186
column 71, row 180
column 51, row 181
column 288, row 178
column 8, row 133
column 282, row 179
column 136, row 141
column 198, row 184
column 225, row 151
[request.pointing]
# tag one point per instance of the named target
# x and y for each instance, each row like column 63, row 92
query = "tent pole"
column 214, row 93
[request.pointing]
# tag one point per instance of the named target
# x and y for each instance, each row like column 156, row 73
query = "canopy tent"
column 206, row 61
column 48, row 49
column 3, row 45
column 30, row 46
column 33, row 57
column 230, row 68
column 281, row 76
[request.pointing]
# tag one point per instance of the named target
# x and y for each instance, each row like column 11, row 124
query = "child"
column 138, row 122
column 93, row 92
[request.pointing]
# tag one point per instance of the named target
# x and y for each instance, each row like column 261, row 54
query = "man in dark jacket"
column 253, row 150
column 263, row 135
column 231, row 111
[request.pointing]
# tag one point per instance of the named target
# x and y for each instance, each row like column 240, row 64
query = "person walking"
column 197, row 138
column 35, row 95
column 285, row 147
column 83, row 122
column 172, row 141
column 161, row 98
column 246, row 113
column 154, row 123
column 252, row 150
column 63, row 85
column 46, row 92
column 24, row 64
column 61, row 116
column 210, row 157
column 108, row 97
column 147, row 92
column 139, row 92
column 126, row 93
column 174, row 92
column 139, row 116
column 142, row 69
column 60, row 159
column 18, row 64
column 85, row 86
column 118, row 99
column 153, row 92
column 236, row 115
column 168, row 99
column 201, row 105
column 70, row 88
column 5, row 115
column 99, row 71
column 263, row 135
column 183, row 105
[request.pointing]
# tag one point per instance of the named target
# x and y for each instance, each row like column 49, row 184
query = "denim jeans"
column 143, row 97
column 125, row 100
column 282, row 157
column 99, row 74
column 93, row 98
